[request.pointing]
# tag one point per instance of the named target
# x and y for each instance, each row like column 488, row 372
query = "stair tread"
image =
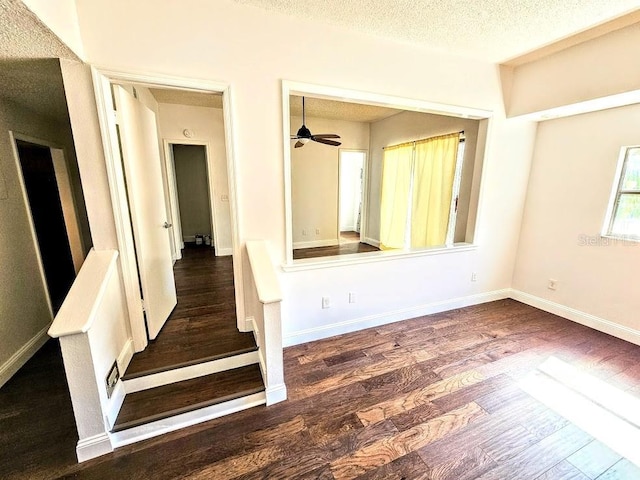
column 180, row 397
column 184, row 361
column 188, row 341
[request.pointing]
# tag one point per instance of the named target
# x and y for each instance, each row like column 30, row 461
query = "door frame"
column 364, row 194
column 174, row 204
column 102, row 79
column 69, row 210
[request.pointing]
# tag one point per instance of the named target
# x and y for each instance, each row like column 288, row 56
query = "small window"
column 623, row 217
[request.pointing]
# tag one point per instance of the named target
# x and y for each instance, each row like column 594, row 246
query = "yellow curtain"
column 435, row 165
column 394, row 202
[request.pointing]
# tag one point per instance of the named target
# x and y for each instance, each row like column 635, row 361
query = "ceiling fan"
column 304, row 135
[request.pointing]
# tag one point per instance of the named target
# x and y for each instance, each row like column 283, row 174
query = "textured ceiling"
column 29, row 67
column 492, row 30
column 334, row 110
column 23, row 35
column 186, row 97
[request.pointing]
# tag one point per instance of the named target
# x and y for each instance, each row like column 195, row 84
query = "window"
column 623, row 217
column 420, row 187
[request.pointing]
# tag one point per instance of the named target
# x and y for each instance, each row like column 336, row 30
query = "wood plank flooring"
column 176, row 398
column 435, row 397
column 342, row 249
column 202, row 327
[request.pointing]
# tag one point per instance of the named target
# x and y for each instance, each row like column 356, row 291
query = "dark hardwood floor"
column 342, row 249
column 435, row 397
column 203, row 325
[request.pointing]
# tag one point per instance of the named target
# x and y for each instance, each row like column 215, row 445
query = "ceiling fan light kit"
column 304, row 135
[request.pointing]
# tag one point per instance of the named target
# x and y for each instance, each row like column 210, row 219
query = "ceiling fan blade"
column 294, row 137
column 325, row 135
column 299, row 144
column 326, row 141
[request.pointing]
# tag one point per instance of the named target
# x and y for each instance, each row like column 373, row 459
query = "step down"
column 137, row 371
column 174, row 374
column 159, row 403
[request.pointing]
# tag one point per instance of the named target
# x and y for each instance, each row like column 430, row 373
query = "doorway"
column 172, row 97
column 351, row 192
column 51, row 227
column 191, row 202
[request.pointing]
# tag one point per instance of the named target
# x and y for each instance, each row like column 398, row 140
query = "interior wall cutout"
column 193, row 191
column 370, row 126
column 48, row 219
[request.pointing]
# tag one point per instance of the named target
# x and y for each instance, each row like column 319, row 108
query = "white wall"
column 206, row 125
column 606, row 65
column 314, row 179
column 252, row 51
column 61, row 17
column 571, row 180
column 409, row 126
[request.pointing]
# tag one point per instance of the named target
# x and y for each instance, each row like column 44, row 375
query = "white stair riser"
column 183, row 420
column 192, row 371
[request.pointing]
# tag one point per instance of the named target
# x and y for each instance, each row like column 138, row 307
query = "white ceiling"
column 491, row 30
column 187, row 97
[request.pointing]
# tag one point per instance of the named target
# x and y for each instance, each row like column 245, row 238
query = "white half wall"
column 571, row 179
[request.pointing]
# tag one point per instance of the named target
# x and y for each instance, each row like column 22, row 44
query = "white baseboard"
column 248, row 324
column 160, row 427
column 125, row 356
column 348, row 326
column 115, row 404
column 276, row 394
column 22, row 356
column 192, row 371
column 224, row 252
column 586, row 319
column 316, row 243
column 93, row 447
column 372, row 241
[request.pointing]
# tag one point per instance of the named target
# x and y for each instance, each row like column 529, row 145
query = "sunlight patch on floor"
column 604, row 412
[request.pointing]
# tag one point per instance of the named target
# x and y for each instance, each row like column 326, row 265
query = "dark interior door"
column 48, row 219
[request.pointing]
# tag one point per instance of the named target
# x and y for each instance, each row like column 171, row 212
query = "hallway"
column 202, row 327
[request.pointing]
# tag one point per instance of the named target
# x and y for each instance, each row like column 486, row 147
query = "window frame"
column 290, row 87
column 616, row 193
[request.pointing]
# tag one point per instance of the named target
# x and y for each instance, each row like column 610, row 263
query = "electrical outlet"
column 112, row 379
column 352, row 297
column 553, row 284
column 326, row 303
column 474, row 276
column 304, row 232
column 317, row 231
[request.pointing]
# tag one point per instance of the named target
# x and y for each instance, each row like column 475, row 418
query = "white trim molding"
column 276, row 393
column 356, row 324
column 329, row 242
column 22, row 356
column 93, row 447
column 583, row 318
column 372, row 241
